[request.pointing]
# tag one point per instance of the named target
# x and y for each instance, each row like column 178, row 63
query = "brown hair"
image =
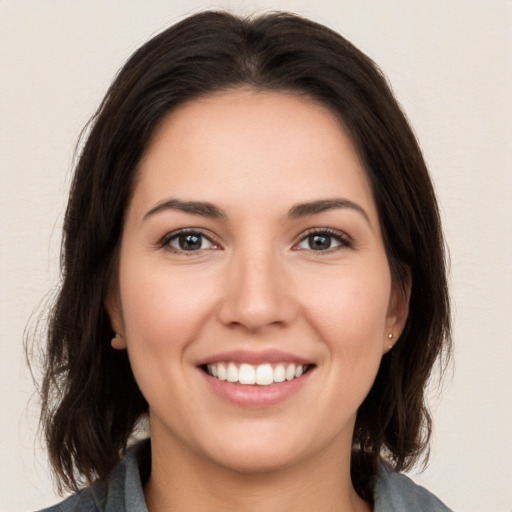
column 87, row 416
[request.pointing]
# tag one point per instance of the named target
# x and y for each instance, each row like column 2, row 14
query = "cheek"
column 164, row 311
column 351, row 321
column 348, row 312
column 164, row 308
column 350, row 308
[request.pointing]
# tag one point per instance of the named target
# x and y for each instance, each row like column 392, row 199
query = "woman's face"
column 255, row 296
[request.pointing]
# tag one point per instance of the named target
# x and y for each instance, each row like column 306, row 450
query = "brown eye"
column 189, row 242
column 319, row 242
column 323, row 241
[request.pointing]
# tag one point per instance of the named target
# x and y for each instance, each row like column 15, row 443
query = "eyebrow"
column 206, row 209
column 201, row 208
column 323, row 205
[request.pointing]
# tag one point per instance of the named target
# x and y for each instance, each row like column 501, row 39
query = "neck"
column 185, row 482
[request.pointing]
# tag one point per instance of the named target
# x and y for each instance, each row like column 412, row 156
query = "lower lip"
column 253, row 395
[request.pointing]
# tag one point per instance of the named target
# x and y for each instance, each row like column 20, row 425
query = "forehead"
column 251, row 145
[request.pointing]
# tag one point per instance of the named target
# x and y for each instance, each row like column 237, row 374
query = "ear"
column 114, row 310
column 398, row 311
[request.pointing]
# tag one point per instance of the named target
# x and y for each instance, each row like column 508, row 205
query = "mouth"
column 264, row 374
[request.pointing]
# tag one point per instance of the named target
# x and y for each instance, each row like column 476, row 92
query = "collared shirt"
column 123, row 492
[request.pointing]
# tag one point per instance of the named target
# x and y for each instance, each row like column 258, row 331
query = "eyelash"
column 344, row 240
column 339, row 236
column 166, row 240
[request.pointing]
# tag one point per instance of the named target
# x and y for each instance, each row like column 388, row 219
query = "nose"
column 258, row 293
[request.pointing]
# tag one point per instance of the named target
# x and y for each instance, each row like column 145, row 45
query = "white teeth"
column 247, row 374
column 290, row 372
column 279, row 373
column 221, row 371
column 232, row 375
column 262, row 375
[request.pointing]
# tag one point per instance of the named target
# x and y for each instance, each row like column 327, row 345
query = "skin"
column 255, row 284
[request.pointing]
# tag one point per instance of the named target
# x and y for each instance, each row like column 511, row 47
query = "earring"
column 390, row 337
column 116, row 342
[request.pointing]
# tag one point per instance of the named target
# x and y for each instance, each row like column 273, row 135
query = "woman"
column 253, row 225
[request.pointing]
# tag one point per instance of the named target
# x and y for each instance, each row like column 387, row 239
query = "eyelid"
column 164, row 241
column 344, row 239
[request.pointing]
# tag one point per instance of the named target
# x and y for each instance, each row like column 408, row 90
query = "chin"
column 257, row 451
column 249, row 461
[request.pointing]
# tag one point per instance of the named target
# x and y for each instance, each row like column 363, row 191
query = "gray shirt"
column 123, row 492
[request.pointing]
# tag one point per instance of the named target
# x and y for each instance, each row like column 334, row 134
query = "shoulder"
column 394, row 492
column 121, row 492
column 86, row 500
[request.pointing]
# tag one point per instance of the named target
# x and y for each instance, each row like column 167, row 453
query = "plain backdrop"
column 449, row 63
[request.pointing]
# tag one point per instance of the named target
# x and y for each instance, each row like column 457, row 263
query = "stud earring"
column 390, row 337
column 116, row 342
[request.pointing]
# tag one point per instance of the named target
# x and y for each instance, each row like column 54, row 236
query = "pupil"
column 190, row 242
column 318, row 242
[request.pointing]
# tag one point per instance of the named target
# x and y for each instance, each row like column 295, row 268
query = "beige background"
column 450, row 65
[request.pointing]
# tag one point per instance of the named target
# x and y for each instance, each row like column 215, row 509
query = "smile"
column 261, row 375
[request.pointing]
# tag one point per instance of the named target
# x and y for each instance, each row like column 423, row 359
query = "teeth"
column 279, row 373
column 232, row 375
column 221, row 372
column 262, row 375
column 246, row 374
column 290, row 372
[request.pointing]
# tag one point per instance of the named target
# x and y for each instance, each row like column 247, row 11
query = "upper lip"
column 254, row 357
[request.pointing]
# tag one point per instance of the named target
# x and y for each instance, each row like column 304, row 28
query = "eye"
column 188, row 241
column 323, row 240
